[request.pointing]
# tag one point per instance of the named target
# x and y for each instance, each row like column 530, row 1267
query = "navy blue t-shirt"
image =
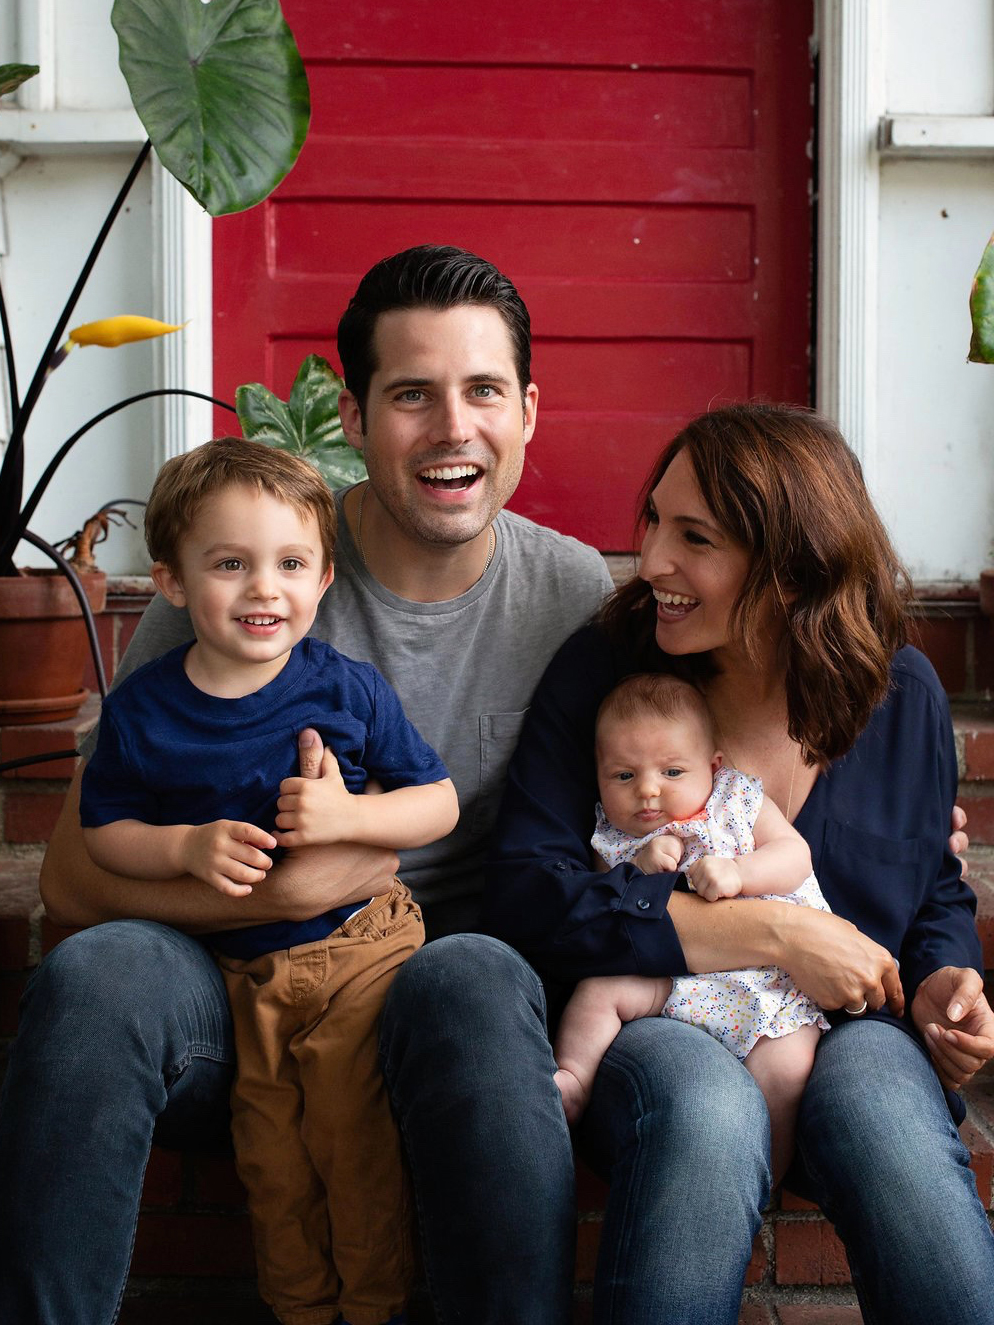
column 168, row 753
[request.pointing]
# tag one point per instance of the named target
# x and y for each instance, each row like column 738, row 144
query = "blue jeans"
column 124, row 1034
column 879, row 1153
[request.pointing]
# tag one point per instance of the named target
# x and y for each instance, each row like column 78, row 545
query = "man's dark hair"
column 432, row 276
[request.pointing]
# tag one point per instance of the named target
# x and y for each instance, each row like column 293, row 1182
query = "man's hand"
column 714, row 877
column 660, row 856
column 959, row 842
column 956, row 1020
column 225, row 855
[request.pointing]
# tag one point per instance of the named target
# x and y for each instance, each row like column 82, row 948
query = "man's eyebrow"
column 396, row 383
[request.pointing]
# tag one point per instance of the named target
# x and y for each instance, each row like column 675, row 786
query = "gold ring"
column 856, row 1012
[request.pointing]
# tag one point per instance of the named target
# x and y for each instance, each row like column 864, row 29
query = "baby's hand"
column 225, row 855
column 715, row 877
column 316, row 811
column 660, row 856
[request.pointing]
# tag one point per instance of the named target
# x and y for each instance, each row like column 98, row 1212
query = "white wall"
column 67, row 141
column 935, row 412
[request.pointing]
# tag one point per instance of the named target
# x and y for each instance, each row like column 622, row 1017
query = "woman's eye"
column 651, row 515
column 696, row 539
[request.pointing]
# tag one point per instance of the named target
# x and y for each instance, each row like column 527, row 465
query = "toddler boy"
column 194, row 774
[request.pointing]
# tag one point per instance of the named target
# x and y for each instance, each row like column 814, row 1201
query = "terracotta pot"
column 43, row 645
column 987, row 591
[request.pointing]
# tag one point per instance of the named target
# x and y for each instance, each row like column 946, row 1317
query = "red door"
column 642, row 172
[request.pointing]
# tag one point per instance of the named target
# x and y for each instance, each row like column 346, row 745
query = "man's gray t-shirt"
column 464, row 669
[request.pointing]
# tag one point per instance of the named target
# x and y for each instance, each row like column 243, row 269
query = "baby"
column 194, row 774
column 669, row 803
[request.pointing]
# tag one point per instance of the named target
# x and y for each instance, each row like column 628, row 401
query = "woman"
column 767, row 579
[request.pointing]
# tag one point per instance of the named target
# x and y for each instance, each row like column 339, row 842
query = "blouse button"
column 643, row 903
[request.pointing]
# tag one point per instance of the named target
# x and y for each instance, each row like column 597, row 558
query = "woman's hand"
column 835, row 965
column 956, row 1020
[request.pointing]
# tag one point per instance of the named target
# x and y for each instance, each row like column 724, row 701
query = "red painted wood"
column 644, row 181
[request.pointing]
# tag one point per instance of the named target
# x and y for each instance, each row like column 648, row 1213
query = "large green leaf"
column 13, row 75
column 307, row 424
column 982, row 309
column 221, row 90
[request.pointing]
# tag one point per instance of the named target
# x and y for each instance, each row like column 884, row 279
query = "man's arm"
column 78, row 893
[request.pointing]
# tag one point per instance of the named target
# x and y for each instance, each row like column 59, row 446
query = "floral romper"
column 736, row 1007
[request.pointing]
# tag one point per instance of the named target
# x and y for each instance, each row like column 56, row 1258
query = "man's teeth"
column 451, row 471
column 673, row 599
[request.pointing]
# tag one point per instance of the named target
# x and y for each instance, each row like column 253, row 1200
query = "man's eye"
column 412, row 396
column 484, row 391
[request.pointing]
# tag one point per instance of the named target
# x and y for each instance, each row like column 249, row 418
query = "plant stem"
column 12, row 469
column 8, row 350
column 77, row 587
column 39, row 489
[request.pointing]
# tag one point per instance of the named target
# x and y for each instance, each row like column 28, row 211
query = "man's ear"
column 348, row 412
column 167, row 583
column 531, row 410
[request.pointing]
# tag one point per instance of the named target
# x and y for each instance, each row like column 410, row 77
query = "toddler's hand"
column 660, row 856
column 315, row 810
column 715, row 877
column 225, row 854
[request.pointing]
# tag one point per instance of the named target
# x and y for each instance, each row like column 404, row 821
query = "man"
column 125, row 1030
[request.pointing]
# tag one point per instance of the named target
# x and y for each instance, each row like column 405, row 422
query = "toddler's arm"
column 780, row 862
column 223, row 854
column 321, row 811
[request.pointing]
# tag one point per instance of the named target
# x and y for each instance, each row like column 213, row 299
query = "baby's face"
column 652, row 770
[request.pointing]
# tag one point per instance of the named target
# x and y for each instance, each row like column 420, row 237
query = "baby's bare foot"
column 574, row 1095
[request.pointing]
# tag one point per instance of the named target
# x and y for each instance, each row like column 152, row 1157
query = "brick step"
column 973, row 725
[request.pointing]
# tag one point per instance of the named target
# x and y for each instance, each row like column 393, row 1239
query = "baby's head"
column 656, row 753
column 242, row 535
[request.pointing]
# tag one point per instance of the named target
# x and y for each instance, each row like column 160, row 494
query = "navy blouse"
column 877, row 823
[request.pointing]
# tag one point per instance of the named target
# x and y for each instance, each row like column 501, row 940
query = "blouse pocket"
column 876, row 882
column 499, row 734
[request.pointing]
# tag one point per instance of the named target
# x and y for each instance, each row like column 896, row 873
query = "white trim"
column 36, row 45
column 936, row 135
column 183, row 286
column 33, row 132
column 851, row 97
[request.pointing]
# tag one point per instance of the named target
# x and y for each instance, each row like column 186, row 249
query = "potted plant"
column 183, row 62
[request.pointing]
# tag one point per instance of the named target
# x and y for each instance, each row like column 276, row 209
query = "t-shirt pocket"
column 872, row 880
column 499, row 734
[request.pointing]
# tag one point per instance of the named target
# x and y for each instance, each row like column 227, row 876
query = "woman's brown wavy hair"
column 783, row 483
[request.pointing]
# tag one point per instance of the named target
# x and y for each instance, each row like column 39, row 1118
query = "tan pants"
column 315, row 1143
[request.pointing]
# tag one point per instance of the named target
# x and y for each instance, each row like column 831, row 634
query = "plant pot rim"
column 42, row 593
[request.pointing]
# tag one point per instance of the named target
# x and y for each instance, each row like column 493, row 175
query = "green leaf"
column 307, row 424
column 13, row 75
column 221, row 90
column 982, row 309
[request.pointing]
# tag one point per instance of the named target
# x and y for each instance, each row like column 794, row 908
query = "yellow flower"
column 121, row 330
